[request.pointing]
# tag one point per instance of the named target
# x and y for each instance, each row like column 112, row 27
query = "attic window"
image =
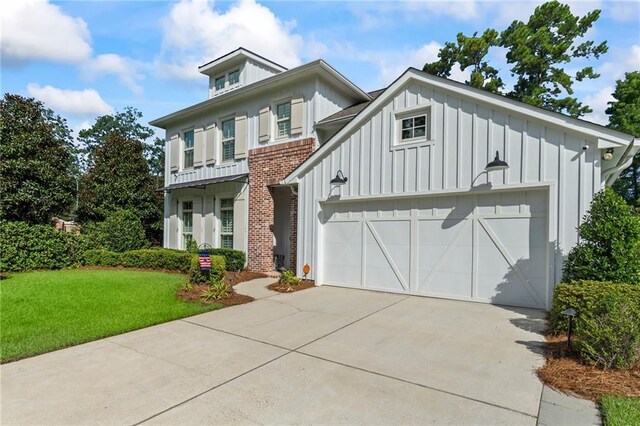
column 234, row 77
column 413, row 128
column 219, row 83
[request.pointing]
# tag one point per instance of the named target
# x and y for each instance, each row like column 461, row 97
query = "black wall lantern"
column 497, row 164
column 340, row 179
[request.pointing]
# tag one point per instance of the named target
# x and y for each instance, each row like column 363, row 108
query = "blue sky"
column 88, row 58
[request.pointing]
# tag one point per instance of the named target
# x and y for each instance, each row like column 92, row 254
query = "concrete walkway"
column 319, row 356
column 559, row 409
column 257, row 288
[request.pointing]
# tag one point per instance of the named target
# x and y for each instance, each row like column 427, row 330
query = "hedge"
column 234, row 259
column 25, row 247
column 175, row 260
column 583, row 296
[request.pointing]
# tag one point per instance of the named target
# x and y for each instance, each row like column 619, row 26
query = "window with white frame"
column 188, row 149
column 414, row 128
column 219, row 83
column 283, row 119
column 234, row 77
column 187, row 222
column 226, row 223
column 228, row 139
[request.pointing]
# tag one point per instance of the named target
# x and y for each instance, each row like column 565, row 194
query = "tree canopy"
column 538, row 52
column 38, row 170
column 624, row 115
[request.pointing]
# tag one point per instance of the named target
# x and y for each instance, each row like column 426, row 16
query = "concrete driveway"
column 320, row 356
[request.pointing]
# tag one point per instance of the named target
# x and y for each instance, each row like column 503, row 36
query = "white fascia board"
column 315, row 67
column 575, row 125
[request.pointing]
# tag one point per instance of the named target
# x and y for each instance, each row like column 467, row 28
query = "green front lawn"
column 620, row 411
column 48, row 310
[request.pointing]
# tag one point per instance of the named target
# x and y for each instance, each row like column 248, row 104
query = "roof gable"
column 571, row 124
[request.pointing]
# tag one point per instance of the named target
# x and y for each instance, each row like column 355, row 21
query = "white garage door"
column 486, row 247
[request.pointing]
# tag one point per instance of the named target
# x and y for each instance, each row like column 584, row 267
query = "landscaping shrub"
column 583, row 296
column 217, row 290
column 215, row 274
column 234, row 259
column 610, row 335
column 26, row 247
column 288, row 277
column 174, row 260
column 121, row 231
column 218, row 264
column 609, row 247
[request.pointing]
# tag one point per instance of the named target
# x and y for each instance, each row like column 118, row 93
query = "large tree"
column 37, row 163
column 538, row 51
column 469, row 52
column 124, row 123
column 119, row 178
column 624, row 115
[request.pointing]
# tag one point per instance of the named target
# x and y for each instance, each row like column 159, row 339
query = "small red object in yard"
column 306, row 269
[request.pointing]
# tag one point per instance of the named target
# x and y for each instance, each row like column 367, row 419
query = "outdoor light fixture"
column 497, row 164
column 340, row 179
column 608, row 154
column 571, row 313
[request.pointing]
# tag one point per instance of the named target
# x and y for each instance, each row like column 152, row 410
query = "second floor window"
column 413, row 128
column 234, row 77
column 228, row 139
column 188, row 149
column 283, row 119
column 219, row 83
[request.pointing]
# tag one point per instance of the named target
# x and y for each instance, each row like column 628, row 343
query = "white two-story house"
column 428, row 187
column 226, row 155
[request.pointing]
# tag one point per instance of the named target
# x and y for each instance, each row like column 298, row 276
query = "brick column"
column 267, row 166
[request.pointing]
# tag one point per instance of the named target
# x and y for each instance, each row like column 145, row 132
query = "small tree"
column 609, row 247
column 120, row 231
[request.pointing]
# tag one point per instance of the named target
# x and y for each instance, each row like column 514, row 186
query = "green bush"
column 288, row 277
column 609, row 247
column 217, row 290
column 583, row 296
column 121, row 231
column 168, row 259
column 192, row 246
column 218, row 264
column 610, row 335
column 26, row 247
column 234, row 259
column 215, row 274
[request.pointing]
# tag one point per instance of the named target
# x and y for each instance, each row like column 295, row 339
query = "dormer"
column 237, row 69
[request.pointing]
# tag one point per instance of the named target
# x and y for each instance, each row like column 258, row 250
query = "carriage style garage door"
column 489, row 247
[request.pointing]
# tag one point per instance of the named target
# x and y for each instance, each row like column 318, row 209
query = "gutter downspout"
column 625, row 161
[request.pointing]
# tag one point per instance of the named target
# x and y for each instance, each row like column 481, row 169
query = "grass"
column 620, row 411
column 48, row 310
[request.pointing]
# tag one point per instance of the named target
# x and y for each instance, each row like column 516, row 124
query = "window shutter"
column 197, row 220
column 264, row 124
column 240, row 220
column 210, row 140
column 173, row 222
column 241, row 137
column 296, row 115
column 174, row 146
column 198, row 147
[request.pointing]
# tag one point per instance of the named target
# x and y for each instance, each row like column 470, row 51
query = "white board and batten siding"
column 403, row 200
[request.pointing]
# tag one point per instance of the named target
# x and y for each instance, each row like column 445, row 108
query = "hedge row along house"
column 394, row 190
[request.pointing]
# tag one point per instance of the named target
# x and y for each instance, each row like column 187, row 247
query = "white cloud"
column 126, row 69
column 392, row 64
column 36, row 30
column 621, row 61
column 211, row 34
column 598, row 103
column 77, row 103
column 623, row 11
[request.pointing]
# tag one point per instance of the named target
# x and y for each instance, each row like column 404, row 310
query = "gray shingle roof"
column 352, row 110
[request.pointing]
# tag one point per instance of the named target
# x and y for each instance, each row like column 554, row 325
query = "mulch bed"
column 242, row 276
column 196, row 295
column 568, row 373
column 286, row 288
